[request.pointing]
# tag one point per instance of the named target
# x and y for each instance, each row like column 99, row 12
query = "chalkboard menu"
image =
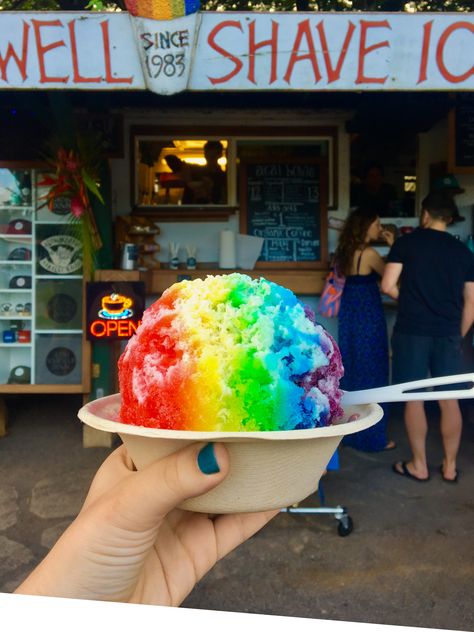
column 462, row 135
column 285, row 203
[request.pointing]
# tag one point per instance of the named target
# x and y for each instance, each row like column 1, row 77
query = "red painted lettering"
column 440, row 53
column 12, row 54
column 425, row 50
column 303, row 31
column 75, row 64
column 254, row 47
column 211, row 40
column 334, row 73
column 109, row 77
column 364, row 50
column 42, row 50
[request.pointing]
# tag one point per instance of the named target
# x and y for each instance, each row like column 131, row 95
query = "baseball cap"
column 20, row 282
column 19, row 227
column 20, row 254
column 448, row 181
column 20, row 374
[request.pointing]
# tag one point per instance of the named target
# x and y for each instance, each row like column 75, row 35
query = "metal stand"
column 345, row 523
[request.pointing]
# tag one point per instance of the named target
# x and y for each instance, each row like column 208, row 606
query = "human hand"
column 129, row 542
column 388, row 237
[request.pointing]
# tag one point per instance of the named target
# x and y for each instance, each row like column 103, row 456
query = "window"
column 181, row 172
column 195, row 175
column 383, row 172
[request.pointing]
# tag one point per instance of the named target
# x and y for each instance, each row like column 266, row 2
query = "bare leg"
column 417, row 428
column 451, row 428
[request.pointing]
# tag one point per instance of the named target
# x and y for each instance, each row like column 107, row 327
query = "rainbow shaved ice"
column 230, row 353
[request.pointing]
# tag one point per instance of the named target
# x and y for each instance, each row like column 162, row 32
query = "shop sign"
column 114, row 310
column 84, row 50
column 238, row 51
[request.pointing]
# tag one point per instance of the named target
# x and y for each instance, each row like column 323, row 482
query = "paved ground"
column 409, row 560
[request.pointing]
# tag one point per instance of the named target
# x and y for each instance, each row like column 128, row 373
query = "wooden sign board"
column 285, row 202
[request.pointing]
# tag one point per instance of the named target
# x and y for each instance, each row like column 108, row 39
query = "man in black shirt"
column 436, row 309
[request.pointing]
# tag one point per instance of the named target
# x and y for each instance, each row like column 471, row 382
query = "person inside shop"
column 212, row 176
column 183, row 177
column 130, row 543
column 362, row 329
column 435, row 311
column 373, row 192
column 204, row 184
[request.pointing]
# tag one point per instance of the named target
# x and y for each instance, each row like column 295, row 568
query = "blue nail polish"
column 207, row 460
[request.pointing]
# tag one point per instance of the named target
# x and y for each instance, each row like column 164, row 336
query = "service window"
column 180, row 172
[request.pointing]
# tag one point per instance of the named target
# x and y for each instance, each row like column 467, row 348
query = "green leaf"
column 96, row 5
column 91, row 185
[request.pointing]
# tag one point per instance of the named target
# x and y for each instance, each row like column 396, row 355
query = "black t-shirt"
column 435, row 268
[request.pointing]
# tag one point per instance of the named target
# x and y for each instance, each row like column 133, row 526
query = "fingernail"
column 207, row 460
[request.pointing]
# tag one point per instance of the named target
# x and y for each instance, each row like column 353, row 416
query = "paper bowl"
column 268, row 470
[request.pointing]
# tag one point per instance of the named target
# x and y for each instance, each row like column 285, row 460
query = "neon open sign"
column 114, row 310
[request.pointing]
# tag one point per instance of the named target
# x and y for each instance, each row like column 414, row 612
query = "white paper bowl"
column 269, row 470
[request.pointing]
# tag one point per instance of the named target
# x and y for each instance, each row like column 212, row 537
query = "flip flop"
column 408, row 474
column 448, row 480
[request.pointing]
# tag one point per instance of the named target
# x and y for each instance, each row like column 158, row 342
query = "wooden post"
column 3, row 417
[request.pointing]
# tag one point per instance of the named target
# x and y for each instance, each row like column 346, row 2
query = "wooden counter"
column 303, row 282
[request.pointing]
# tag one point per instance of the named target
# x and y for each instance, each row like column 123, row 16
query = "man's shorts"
column 419, row 357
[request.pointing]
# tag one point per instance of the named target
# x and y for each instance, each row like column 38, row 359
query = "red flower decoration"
column 71, row 179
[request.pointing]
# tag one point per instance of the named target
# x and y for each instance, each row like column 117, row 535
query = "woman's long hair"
column 352, row 237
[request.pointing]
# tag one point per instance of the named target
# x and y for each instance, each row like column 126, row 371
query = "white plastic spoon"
column 398, row 392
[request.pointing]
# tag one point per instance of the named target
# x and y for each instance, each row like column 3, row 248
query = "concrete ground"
column 409, row 560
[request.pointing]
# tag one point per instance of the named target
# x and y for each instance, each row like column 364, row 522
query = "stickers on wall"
column 61, row 361
column 62, row 254
column 58, row 359
column 61, row 308
column 59, row 304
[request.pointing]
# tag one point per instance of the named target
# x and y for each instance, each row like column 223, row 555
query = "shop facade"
column 296, row 106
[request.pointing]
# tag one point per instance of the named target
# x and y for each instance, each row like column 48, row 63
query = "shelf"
column 58, row 276
column 16, row 238
column 65, row 332
column 300, row 281
column 8, row 290
column 48, row 222
column 7, row 207
column 42, row 388
column 58, row 359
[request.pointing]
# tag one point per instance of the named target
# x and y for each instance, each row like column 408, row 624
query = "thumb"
column 143, row 499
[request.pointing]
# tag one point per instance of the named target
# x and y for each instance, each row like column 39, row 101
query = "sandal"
column 405, row 472
column 448, row 480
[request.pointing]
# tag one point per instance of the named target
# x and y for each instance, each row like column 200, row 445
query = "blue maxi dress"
column 363, row 342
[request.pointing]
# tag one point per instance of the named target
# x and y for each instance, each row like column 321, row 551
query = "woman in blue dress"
column 362, row 329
